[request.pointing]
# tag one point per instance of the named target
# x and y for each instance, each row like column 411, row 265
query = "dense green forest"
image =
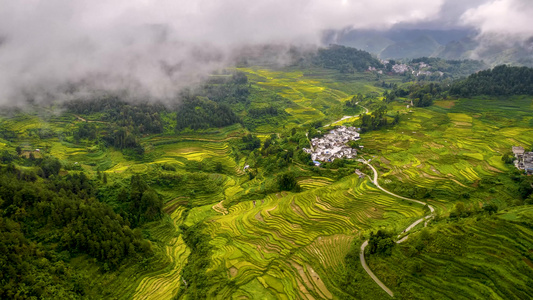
column 345, row 59
column 120, row 123
column 45, row 219
column 142, row 117
column 198, row 113
column 500, row 81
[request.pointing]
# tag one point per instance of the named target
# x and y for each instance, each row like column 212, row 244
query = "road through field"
column 372, row 275
column 363, row 246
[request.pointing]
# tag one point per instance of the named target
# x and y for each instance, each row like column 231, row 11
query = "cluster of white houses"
column 524, row 160
column 333, row 145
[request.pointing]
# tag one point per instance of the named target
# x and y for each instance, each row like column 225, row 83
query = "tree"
column 218, row 167
column 380, row 242
column 50, row 166
column 460, row 211
column 152, row 206
column 250, row 142
column 490, row 208
column 239, row 78
column 508, row 158
column 122, row 196
column 396, row 118
column 105, row 178
column 287, row 182
column 529, row 200
column 19, row 150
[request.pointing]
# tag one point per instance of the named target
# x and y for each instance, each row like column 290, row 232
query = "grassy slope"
column 474, row 258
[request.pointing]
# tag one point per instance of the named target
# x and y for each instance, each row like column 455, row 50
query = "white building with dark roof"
column 333, row 145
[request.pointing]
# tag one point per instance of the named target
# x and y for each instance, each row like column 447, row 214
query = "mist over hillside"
column 56, row 50
column 448, row 44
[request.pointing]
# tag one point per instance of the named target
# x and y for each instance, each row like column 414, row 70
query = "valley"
column 261, row 241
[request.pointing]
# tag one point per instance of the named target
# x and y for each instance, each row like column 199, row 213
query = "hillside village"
column 417, row 69
column 333, row 145
column 524, row 160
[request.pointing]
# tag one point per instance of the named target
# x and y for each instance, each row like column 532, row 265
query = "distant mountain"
column 518, row 54
column 423, row 45
column 454, row 44
column 460, row 49
column 371, row 41
column 402, row 43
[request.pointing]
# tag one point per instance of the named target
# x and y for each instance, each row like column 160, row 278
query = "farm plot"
column 279, row 240
column 309, row 98
column 448, row 152
column 476, row 258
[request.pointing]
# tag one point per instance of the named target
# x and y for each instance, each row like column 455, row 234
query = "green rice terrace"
column 239, row 211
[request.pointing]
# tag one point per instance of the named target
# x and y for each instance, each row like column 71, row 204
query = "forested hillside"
column 500, row 81
column 45, row 219
column 198, row 113
column 345, row 59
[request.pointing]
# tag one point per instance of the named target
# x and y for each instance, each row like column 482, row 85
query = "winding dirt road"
column 363, row 246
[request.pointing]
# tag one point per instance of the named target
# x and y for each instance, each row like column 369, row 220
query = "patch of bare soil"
column 259, row 218
column 233, row 271
column 269, row 210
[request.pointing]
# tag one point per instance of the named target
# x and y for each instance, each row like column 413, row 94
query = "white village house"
column 333, row 145
column 524, row 160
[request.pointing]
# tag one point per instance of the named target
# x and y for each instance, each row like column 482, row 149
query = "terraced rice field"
column 24, row 123
column 449, row 151
column 290, row 245
column 276, row 244
column 488, row 258
column 194, row 150
column 310, row 98
column 164, row 284
column 314, row 182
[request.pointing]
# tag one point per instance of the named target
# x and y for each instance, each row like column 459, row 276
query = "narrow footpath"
column 363, row 246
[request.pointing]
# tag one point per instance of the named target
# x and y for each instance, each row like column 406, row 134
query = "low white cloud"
column 510, row 18
column 154, row 48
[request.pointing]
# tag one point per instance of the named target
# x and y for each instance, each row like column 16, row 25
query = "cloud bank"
column 151, row 49
column 502, row 24
column 56, row 49
column 507, row 18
